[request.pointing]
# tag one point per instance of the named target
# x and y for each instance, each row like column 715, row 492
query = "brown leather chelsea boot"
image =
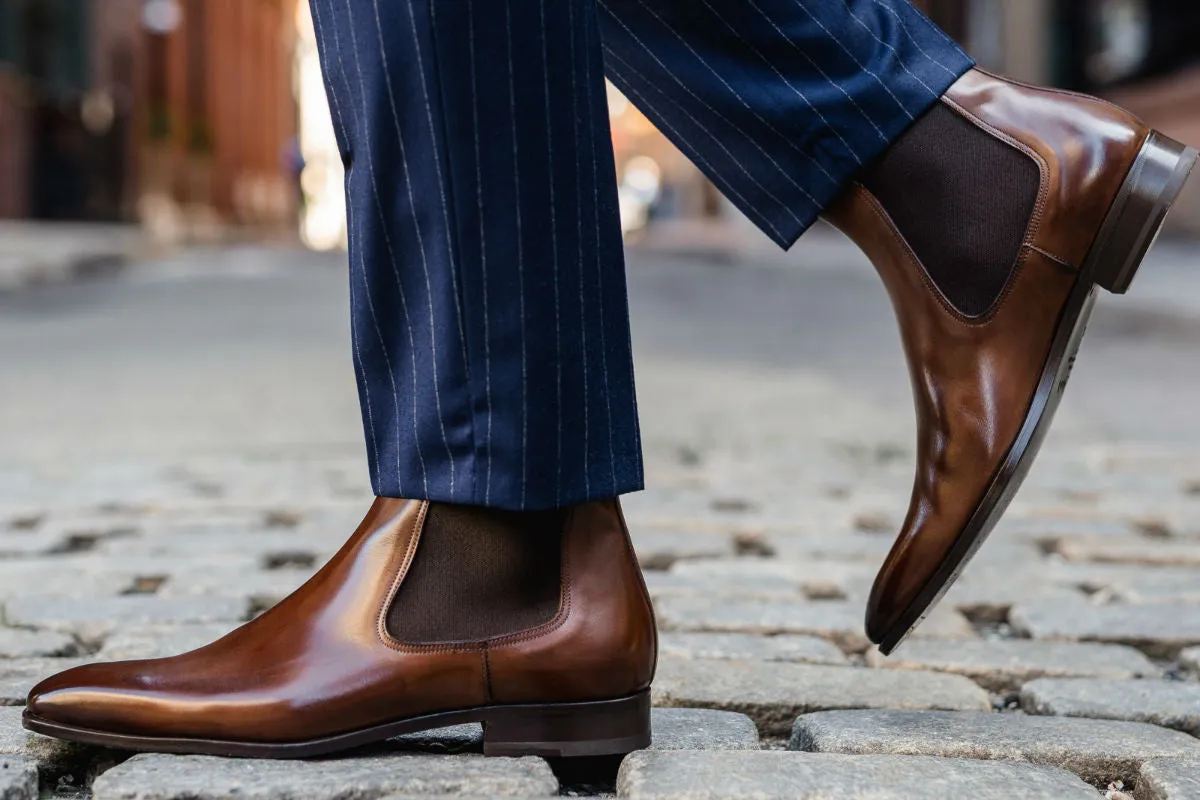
column 536, row 624
column 991, row 222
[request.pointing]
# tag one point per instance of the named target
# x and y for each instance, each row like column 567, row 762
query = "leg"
column 779, row 102
column 491, row 331
column 491, row 341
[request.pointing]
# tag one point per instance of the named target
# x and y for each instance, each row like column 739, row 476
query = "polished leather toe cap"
column 101, row 696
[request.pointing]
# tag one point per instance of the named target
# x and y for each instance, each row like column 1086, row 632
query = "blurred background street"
column 244, row 350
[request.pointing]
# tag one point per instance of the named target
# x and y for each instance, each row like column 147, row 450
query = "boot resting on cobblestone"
column 538, row 625
column 991, row 221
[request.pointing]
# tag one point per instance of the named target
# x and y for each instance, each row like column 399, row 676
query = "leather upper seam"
column 1060, row 92
column 1050, row 256
column 487, row 674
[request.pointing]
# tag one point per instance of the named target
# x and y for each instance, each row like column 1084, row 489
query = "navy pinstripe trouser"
column 490, row 321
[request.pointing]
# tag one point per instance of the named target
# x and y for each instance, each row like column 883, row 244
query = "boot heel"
column 1154, row 181
column 600, row 728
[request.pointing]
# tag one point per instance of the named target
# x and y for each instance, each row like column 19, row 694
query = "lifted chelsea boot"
column 536, row 624
column 992, row 221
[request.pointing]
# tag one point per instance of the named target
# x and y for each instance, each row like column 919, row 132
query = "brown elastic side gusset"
column 962, row 199
column 479, row 573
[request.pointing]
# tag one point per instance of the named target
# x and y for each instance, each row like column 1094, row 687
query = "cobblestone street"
column 181, row 448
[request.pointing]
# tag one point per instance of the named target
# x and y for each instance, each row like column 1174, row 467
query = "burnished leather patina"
column 986, row 386
column 320, row 671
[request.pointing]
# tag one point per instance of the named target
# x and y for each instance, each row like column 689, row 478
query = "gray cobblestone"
column 702, row 729
column 768, row 775
column 750, row 647
column 18, row 643
column 1158, row 630
column 18, row 779
column 1190, row 659
column 1099, row 751
column 773, row 694
column 93, row 619
column 12, row 735
column 161, row 777
column 1005, row 665
column 666, row 584
column 1130, row 550
column 1171, row 704
column 160, row 641
column 49, row 755
column 839, row 622
column 659, row 549
column 990, row 592
column 832, row 545
column 847, row 575
column 452, row 739
column 63, row 577
column 1127, row 583
column 18, row 676
column 1169, row 779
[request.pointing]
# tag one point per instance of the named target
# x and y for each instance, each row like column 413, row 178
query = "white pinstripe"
column 335, row 114
column 483, row 259
column 720, row 116
column 437, row 166
column 437, row 394
column 696, row 152
column 899, row 60
column 746, row 105
column 400, row 288
column 820, row 71
column 554, row 249
column 512, row 101
column 785, row 81
column 587, row 402
column 594, row 120
column 853, row 58
column 917, row 44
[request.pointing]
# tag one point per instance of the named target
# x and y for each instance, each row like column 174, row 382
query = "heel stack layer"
column 599, row 728
column 1138, row 211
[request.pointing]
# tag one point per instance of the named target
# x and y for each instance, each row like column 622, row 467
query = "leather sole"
column 1130, row 227
column 597, row 728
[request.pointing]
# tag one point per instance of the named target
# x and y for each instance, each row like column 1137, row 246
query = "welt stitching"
column 487, row 674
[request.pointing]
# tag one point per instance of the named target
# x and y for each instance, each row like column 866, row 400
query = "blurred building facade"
column 184, row 113
column 173, row 111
